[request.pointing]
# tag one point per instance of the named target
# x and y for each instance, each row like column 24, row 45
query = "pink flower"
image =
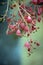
column 27, row 45
column 34, row 1
column 34, row 22
column 39, row 10
column 39, row 19
column 26, row 29
column 12, row 26
column 29, row 19
column 18, row 32
column 22, row 25
column 39, row 1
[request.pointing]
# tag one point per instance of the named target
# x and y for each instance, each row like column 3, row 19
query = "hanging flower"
column 27, row 45
column 18, row 32
column 26, row 24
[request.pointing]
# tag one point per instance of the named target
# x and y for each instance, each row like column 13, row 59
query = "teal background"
column 12, row 50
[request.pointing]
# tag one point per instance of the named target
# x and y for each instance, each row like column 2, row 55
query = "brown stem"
column 26, row 12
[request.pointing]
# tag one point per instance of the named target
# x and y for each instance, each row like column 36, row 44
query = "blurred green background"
column 12, row 49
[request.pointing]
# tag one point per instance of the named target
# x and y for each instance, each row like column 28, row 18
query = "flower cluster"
column 25, row 25
column 30, row 47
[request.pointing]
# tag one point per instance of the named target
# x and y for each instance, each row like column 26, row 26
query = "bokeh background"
column 12, row 51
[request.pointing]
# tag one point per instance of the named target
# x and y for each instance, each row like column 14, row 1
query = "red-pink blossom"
column 18, row 32
column 27, row 45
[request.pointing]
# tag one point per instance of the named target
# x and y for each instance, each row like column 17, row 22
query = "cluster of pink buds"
column 30, row 47
column 25, row 25
column 37, row 1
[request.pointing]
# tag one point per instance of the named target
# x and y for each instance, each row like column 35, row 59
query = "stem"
column 26, row 12
column 6, row 9
column 22, row 17
column 20, row 13
column 25, row 9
